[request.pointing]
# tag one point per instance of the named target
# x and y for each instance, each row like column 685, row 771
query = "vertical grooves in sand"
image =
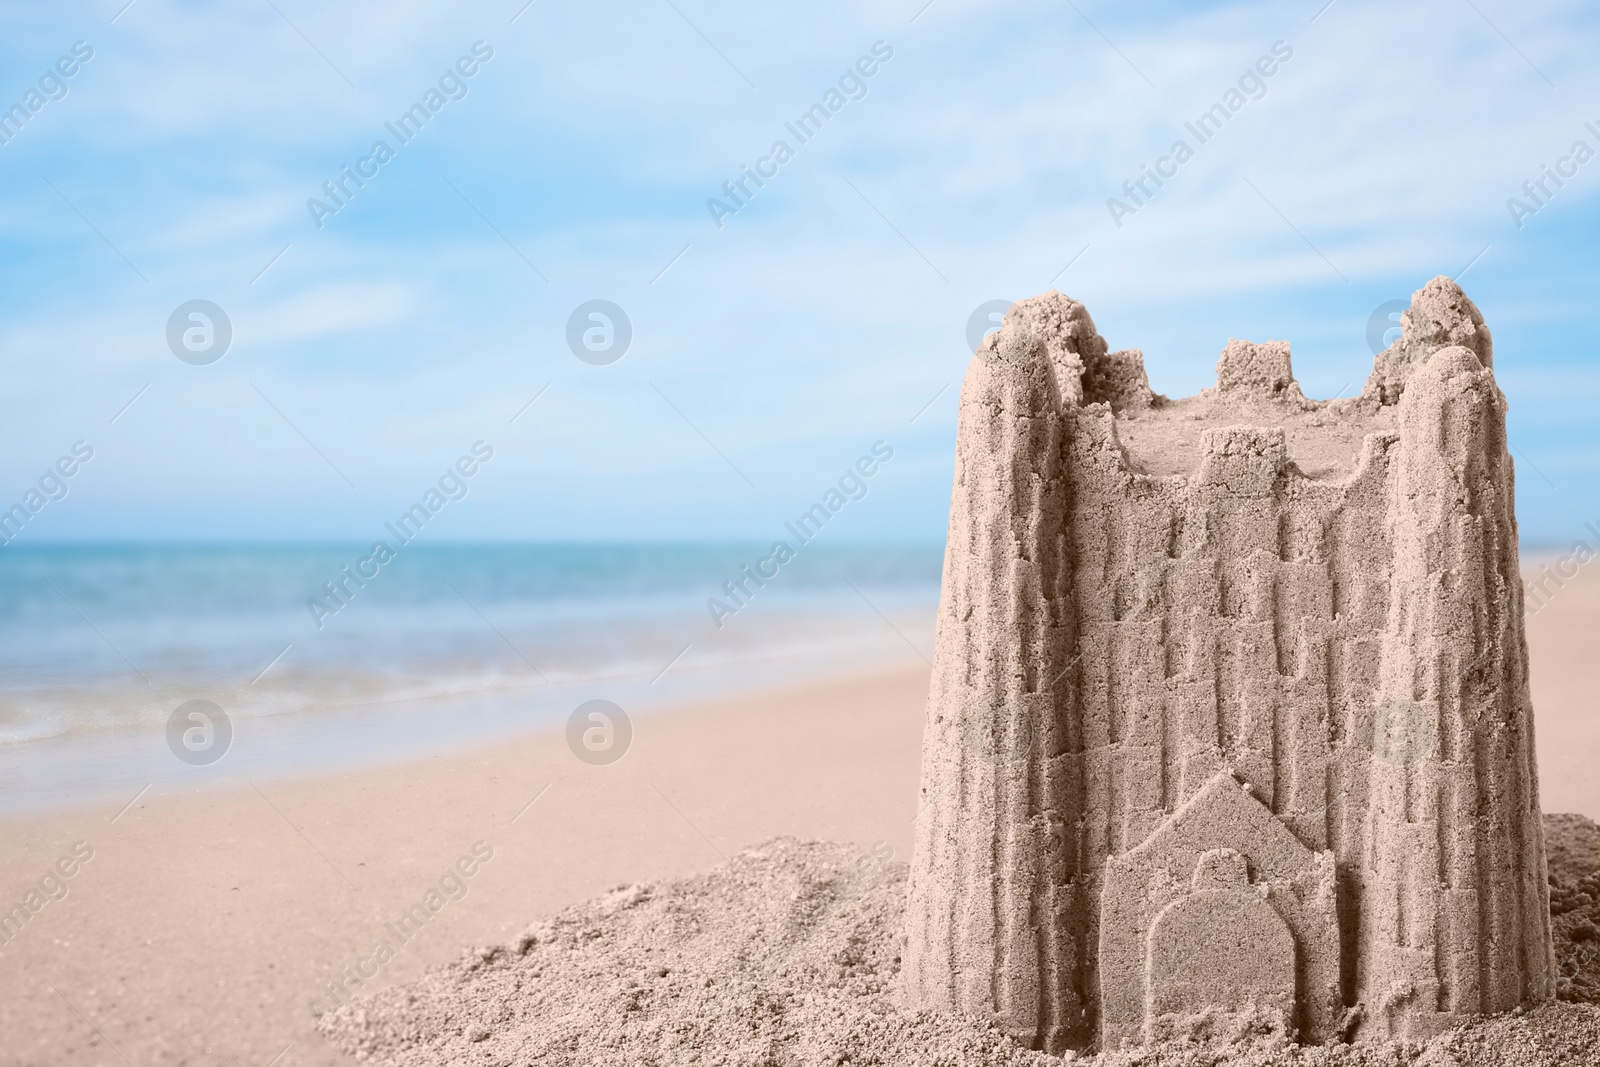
column 1113, row 644
column 992, row 788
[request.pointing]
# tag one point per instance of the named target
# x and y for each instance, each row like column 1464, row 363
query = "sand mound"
column 1572, row 850
column 784, row 955
column 788, row 955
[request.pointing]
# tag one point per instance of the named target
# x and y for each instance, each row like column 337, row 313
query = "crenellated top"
column 1192, row 439
column 1440, row 316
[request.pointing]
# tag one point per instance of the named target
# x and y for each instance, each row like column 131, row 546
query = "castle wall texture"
column 1198, row 657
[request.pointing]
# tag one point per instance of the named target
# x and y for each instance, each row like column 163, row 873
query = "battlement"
column 1162, row 437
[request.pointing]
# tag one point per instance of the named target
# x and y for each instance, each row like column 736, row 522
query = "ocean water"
column 442, row 645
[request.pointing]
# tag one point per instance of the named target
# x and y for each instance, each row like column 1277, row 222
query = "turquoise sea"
column 443, row 645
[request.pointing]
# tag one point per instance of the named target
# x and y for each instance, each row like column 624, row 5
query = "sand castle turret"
column 1229, row 712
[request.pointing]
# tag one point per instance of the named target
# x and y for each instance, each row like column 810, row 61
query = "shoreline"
column 209, row 918
column 113, row 761
column 43, row 774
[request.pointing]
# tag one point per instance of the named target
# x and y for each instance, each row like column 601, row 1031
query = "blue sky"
column 821, row 317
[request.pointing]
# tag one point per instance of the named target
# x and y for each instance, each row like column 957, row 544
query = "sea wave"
column 97, row 638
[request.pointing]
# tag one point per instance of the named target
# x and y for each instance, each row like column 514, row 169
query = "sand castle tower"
column 1229, row 718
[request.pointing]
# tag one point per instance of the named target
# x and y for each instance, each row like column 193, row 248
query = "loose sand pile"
column 1572, row 848
column 789, row 954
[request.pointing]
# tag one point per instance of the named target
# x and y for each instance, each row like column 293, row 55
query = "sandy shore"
column 1562, row 638
column 791, row 954
column 206, row 922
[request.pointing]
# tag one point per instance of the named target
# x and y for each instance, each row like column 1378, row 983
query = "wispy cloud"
column 1390, row 141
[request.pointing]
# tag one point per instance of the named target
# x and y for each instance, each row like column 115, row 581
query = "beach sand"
column 1562, row 638
column 206, row 922
column 791, row 954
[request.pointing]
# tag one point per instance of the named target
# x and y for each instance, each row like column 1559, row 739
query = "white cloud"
column 990, row 142
column 331, row 310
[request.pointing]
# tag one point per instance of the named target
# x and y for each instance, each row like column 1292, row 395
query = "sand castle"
column 1229, row 719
